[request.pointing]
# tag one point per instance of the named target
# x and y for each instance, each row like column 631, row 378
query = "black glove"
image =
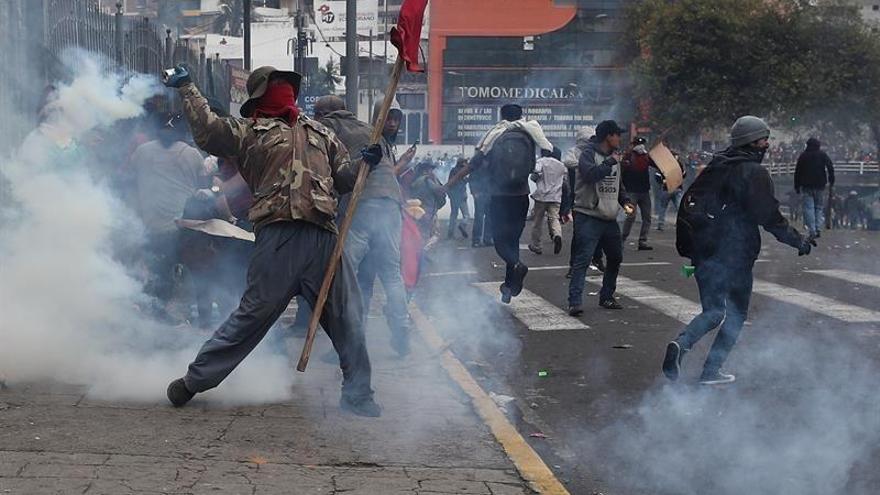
column 176, row 77
column 372, row 155
column 610, row 161
column 807, row 245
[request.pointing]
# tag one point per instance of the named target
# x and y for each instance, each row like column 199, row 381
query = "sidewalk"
column 429, row 440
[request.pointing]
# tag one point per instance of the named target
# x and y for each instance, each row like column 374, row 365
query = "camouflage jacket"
column 294, row 173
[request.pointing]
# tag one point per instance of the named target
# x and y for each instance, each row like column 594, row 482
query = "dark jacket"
column 751, row 204
column 636, row 172
column 814, row 168
column 428, row 189
column 479, row 183
column 355, row 135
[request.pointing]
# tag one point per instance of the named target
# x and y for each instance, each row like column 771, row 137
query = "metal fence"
column 35, row 35
column 859, row 168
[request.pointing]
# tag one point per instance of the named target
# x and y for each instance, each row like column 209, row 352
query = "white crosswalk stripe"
column 535, row 312
column 540, row 315
column 672, row 305
column 850, row 276
column 816, row 303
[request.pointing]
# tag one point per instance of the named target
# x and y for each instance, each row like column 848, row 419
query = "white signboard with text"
column 330, row 17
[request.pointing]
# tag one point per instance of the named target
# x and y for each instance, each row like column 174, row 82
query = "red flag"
column 408, row 32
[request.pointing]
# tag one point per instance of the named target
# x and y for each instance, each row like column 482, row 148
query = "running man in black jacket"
column 724, row 272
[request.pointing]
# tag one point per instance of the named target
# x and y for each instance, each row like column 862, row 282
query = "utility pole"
column 247, row 34
column 300, row 65
column 351, row 56
column 370, row 81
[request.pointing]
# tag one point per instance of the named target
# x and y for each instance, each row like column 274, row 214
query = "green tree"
column 797, row 62
column 325, row 81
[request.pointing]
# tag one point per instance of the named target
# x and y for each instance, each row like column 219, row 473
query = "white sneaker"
column 717, row 378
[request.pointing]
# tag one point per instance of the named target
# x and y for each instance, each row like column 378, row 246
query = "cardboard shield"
column 216, row 227
column 668, row 165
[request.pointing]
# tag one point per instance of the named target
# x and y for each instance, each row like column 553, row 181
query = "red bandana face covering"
column 279, row 101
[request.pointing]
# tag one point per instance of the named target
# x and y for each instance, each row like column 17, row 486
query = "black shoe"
column 610, row 303
column 463, row 231
column 568, row 274
column 505, row 294
column 476, row 244
column 178, row 394
column 660, row 228
column 536, row 249
column 557, row 244
column 362, row 407
column 599, row 263
column 672, row 361
column 576, row 310
column 645, row 247
column 519, row 273
column 716, row 378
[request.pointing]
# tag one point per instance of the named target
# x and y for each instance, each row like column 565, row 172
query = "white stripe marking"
column 816, row 303
column 849, row 276
column 534, row 311
column 446, row 274
column 669, row 304
column 565, row 267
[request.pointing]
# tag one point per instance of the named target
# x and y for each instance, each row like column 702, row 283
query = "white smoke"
column 71, row 310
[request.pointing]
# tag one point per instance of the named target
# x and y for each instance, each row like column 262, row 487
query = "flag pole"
column 336, row 256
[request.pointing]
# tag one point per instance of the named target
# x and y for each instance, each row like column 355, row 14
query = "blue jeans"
column 590, row 233
column 814, row 214
column 373, row 247
column 663, row 199
column 725, row 292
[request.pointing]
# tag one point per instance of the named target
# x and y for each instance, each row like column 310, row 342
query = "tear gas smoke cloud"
column 802, row 421
column 71, row 309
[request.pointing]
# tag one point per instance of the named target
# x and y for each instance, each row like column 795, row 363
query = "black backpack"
column 511, row 161
column 702, row 212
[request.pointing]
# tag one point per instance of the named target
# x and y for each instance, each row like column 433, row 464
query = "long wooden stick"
column 333, row 264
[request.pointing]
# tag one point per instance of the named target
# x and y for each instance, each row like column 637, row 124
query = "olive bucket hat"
column 258, row 81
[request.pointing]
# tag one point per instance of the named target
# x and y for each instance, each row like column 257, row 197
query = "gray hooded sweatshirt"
column 598, row 191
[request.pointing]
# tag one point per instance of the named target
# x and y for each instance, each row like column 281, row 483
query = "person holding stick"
column 296, row 167
column 373, row 243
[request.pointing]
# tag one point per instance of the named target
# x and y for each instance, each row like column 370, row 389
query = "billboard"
column 330, row 17
column 563, row 100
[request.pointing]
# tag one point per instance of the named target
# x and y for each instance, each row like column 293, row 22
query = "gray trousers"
column 643, row 201
column 551, row 212
column 373, row 247
column 289, row 259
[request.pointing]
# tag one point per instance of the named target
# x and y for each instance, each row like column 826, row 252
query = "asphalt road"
column 802, row 418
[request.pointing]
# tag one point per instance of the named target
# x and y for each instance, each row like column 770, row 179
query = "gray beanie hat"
column 748, row 129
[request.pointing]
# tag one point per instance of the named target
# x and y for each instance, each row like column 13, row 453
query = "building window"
column 411, row 101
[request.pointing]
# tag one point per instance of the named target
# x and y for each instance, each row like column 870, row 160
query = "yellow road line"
column 529, row 464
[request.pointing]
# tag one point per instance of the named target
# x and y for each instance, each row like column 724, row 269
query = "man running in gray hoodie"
column 598, row 196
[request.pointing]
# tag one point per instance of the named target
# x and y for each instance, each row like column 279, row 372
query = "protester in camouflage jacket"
column 292, row 171
column 294, row 166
